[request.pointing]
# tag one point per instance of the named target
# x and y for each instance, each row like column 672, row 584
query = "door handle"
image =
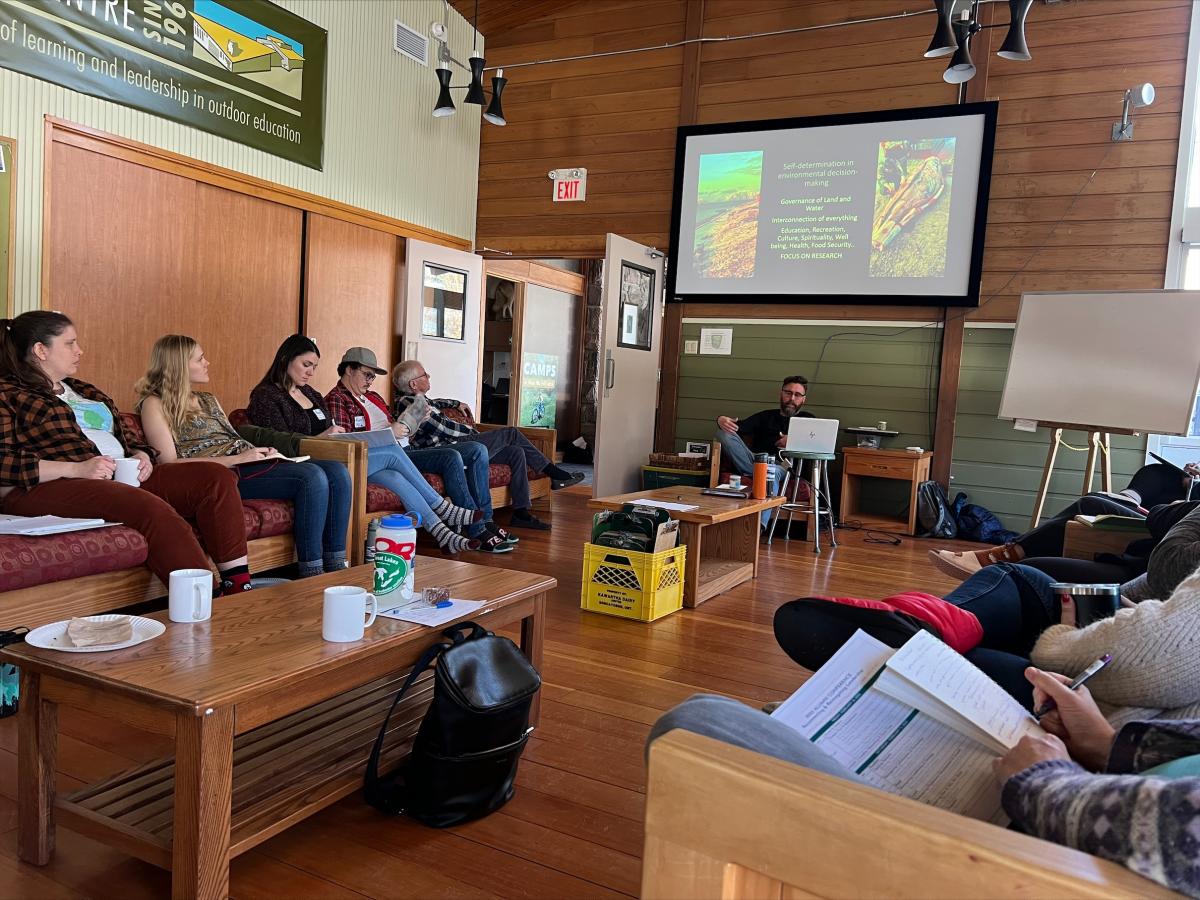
column 610, row 372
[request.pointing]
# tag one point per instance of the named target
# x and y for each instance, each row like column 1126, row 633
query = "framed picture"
column 637, row 307
column 698, row 447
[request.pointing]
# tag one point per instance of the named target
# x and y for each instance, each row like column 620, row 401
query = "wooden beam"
column 947, row 396
column 668, row 380
column 689, row 97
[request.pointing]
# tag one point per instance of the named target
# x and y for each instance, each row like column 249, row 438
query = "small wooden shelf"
column 898, row 465
column 717, row 575
column 282, row 772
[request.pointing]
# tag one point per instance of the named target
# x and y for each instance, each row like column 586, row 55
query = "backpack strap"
column 371, row 776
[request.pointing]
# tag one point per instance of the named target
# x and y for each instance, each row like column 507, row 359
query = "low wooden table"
column 721, row 536
column 271, row 722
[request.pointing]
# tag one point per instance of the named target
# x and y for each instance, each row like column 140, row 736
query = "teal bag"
column 10, row 676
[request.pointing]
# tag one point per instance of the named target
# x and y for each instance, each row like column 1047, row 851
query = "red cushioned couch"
column 44, row 579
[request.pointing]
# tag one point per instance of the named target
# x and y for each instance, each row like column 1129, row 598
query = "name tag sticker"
column 360, row 422
column 318, row 415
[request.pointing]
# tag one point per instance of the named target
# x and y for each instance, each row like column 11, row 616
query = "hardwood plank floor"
column 574, row 827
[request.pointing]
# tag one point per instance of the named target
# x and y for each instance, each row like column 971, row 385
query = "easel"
column 1098, row 446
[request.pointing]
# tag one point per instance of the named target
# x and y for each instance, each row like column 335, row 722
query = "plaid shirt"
column 343, row 408
column 439, row 428
column 35, row 425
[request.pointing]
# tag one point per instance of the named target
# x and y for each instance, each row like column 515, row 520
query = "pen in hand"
column 1076, row 684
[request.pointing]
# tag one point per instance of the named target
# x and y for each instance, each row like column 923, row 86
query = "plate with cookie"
column 95, row 634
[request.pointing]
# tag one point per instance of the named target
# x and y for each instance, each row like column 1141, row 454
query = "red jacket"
column 959, row 628
column 349, row 412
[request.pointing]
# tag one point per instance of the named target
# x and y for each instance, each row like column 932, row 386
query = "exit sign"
column 570, row 185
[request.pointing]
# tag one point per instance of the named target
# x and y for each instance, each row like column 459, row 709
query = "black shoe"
column 529, row 521
column 572, row 478
column 493, row 543
column 495, row 529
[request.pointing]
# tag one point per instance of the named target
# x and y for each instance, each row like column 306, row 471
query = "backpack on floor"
column 978, row 523
column 934, row 517
column 464, row 757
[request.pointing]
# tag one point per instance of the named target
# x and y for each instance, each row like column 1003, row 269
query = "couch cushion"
column 271, row 517
column 133, row 424
column 29, row 561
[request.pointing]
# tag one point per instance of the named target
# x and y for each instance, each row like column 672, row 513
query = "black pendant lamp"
column 962, row 67
column 475, row 91
column 494, row 113
column 1014, row 46
column 943, row 37
column 445, row 103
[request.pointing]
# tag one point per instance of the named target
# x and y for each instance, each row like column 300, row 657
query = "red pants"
column 202, row 492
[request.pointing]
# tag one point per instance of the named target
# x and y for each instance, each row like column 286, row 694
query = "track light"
column 943, row 37
column 445, row 104
column 1137, row 96
column 1014, row 46
column 494, row 113
column 962, row 67
column 475, row 91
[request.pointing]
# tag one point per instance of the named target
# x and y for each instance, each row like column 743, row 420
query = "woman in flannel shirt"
column 60, row 437
column 284, row 401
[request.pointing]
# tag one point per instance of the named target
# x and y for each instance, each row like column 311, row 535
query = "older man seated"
column 506, row 446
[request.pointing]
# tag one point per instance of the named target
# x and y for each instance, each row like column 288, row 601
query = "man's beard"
column 788, row 410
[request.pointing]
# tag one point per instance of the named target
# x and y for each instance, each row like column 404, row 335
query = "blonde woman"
column 184, row 424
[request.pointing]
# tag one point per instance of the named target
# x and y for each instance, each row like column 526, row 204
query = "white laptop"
column 811, row 435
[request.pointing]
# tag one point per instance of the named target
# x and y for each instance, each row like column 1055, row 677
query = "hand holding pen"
column 1073, row 715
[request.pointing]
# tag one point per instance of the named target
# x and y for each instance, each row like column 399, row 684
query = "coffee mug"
column 881, row 426
column 190, row 595
column 342, row 616
column 735, row 482
column 127, row 471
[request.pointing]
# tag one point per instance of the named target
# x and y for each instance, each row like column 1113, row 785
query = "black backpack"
column 934, row 517
column 464, row 757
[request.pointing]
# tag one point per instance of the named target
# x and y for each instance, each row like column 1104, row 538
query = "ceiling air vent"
column 411, row 43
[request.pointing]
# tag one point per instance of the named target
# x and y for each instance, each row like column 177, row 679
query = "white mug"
column 190, row 596
column 127, row 471
column 342, row 617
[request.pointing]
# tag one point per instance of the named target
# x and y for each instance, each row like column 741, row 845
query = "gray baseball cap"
column 361, row 356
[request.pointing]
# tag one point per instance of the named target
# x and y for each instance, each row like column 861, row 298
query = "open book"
column 1111, row 522
column 920, row 721
column 33, row 526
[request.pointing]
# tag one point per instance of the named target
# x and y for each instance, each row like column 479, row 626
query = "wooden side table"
column 899, row 465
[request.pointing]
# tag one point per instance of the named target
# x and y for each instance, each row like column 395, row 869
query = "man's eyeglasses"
column 800, row 394
column 368, row 375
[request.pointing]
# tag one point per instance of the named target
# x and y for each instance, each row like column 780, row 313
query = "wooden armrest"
column 1085, row 541
column 725, row 822
column 339, row 451
column 545, row 439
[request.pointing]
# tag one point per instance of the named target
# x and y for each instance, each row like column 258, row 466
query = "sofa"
column 44, row 579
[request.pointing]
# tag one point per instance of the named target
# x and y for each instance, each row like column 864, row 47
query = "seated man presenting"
column 763, row 432
column 506, row 446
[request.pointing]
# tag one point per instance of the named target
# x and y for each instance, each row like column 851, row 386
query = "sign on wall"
column 245, row 70
column 570, row 185
column 539, row 390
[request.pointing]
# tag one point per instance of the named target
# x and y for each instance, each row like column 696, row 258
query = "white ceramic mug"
column 342, row 617
column 190, row 596
column 127, row 471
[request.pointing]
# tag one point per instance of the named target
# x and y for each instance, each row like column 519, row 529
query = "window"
column 444, row 295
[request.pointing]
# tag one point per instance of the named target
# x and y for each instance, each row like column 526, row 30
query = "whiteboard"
column 1108, row 360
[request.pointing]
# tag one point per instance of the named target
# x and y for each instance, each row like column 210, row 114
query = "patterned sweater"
column 1148, row 824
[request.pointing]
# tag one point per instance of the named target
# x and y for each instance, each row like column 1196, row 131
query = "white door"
column 631, row 338
column 439, row 319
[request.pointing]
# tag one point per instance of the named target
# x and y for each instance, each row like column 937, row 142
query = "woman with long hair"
column 284, row 401
column 59, row 441
column 186, row 424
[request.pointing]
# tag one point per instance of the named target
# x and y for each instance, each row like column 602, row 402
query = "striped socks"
column 457, row 516
column 448, row 540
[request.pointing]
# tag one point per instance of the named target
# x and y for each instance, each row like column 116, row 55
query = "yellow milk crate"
column 631, row 584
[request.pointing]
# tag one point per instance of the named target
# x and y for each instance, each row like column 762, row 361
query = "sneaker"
column 529, row 521
column 493, row 543
column 557, row 484
column 504, row 535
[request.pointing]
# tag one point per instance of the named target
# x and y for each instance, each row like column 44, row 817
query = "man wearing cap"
column 463, row 470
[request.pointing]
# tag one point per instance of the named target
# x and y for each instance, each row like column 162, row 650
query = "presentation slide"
column 878, row 208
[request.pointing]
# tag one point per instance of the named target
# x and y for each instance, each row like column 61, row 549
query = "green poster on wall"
column 8, row 187
column 246, row 70
column 539, row 390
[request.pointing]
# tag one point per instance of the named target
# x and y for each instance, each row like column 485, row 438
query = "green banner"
column 246, row 70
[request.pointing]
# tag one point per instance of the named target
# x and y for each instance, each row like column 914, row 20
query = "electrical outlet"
column 691, row 347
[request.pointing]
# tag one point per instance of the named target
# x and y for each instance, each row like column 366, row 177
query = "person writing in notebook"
column 763, row 432
column 1126, row 795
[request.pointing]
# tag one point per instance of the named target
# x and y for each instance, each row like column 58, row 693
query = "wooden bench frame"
column 41, row 604
column 1084, row 542
column 723, row 822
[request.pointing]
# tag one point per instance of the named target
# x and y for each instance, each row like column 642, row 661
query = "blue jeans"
column 391, row 468
column 320, row 495
column 741, row 460
column 463, row 469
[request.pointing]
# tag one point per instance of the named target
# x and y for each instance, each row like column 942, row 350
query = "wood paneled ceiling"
column 496, row 16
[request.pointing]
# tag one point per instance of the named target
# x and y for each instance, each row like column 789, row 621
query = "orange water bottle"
column 759, row 489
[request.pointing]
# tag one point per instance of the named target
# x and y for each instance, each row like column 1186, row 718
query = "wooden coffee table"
column 271, row 723
column 721, row 536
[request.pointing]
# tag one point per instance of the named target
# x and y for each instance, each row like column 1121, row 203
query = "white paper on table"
column 41, row 525
column 888, row 743
column 432, row 615
column 666, row 504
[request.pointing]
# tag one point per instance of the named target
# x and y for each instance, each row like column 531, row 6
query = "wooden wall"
column 616, row 116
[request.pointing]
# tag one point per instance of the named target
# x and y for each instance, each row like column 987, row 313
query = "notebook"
column 33, row 526
column 920, row 721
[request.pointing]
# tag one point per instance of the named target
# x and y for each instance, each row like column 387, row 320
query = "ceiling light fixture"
column 957, row 23
column 494, row 114
column 1014, row 46
column 943, row 41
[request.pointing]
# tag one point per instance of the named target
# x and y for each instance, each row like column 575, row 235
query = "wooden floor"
column 574, row 826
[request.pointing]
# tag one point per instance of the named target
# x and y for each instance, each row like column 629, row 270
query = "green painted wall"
column 869, row 373
column 1000, row 467
column 865, row 374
